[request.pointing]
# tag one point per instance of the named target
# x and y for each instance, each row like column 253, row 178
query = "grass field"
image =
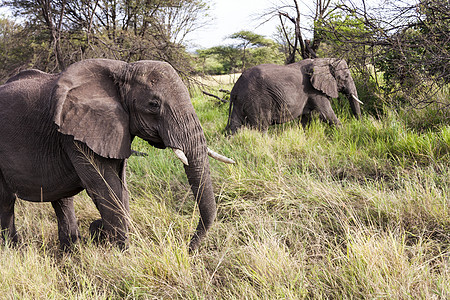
column 360, row 212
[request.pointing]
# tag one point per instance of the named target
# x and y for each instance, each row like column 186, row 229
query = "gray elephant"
column 63, row 133
column 272, row 94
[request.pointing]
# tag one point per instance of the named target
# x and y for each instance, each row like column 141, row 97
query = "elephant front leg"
column 104, row 181
column 305, row 119
column 67, row 222
column 323, row 105
column 114, row 212
column 110, row 195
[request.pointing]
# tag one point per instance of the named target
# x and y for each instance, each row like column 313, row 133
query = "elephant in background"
column 66, row 132
column 272, row 94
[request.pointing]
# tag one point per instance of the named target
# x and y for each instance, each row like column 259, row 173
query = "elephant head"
column 331, row 76
column 106, row 103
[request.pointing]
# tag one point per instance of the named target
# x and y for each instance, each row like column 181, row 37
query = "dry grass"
column 356, row 213
column 219, row 80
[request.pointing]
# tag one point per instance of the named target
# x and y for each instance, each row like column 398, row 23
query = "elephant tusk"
column 220, row 157
column 180, row 154
column 357, row 100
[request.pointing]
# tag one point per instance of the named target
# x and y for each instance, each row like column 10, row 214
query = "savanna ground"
column 359, row 212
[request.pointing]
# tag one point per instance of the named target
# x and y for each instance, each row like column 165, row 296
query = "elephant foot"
column 67, row 244
column 100, row 235
column 97, row 232
column 195, row 241
column 11, row 240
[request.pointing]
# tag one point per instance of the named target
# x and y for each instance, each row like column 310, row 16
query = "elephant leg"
column 104, row 180
column 113, row 205
column 305, row 119
column 326, row 112
column 7, row 201
column 259, row 120
column 67, row 222
column 235, row 122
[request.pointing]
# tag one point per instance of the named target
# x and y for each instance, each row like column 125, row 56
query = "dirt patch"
column 216, row 80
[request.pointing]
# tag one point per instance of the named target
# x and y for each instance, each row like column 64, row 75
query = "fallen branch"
column 214, row 96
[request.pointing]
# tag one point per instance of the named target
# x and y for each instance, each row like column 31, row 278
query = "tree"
column 297, row 44
column 249, row 39
column 15, row 47
column 407, row 41
column 252, row 50
column 283, row 37
column 70, row 30
column 228, row 57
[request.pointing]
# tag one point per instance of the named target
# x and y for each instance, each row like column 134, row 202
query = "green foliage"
column 343, row 35
column 15, row 48
column 405, row 42
column 342, row 27
column 249, row 38
column 264, row 55
column 254, row 50
column 59, row 33
column 222, row 60
column 369, row 92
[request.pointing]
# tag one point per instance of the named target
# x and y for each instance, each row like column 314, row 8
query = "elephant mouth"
column 159, row 145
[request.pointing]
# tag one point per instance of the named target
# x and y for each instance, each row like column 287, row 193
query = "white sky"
column 231, row 16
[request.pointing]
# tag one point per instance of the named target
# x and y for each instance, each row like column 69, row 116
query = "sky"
column 231, row 16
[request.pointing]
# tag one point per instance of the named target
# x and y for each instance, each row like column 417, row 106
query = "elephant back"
column 29, row 74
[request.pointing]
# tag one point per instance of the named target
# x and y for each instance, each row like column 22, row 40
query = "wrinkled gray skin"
column 60, row 134
column 272, row 94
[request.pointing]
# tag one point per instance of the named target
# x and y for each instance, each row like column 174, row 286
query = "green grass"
column 359, row 212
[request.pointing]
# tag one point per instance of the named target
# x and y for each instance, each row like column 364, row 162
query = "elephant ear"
column 323, row 80
column 89, row 107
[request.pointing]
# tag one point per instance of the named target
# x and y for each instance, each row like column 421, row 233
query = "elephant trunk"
column 187, row 135
column 199, row 178
column 352, row 96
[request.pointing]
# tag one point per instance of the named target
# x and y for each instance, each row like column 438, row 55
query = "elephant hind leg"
column 67, row 222
column 7, row 201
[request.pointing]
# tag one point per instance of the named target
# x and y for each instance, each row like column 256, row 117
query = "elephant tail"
column 230, row 109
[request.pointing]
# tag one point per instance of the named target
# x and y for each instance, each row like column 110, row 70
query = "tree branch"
column 214, row 96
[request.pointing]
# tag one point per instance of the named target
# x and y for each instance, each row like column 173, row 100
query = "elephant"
column 273, row 94
column 67, row 132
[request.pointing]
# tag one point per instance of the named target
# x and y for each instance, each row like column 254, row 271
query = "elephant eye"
column 153, row 105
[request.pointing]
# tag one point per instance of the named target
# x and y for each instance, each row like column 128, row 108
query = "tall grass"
column 358, row 212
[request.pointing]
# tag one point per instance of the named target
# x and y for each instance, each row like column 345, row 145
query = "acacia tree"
column 249, row 39
column 227, row 56
column 70, row 30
